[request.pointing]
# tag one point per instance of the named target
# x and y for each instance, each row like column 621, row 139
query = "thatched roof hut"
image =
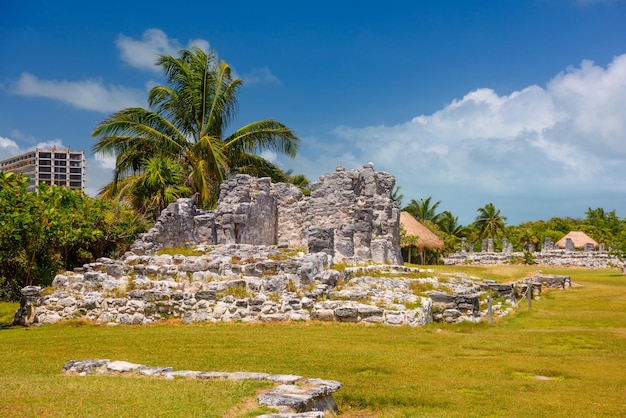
column 426, row 239
column 579, row 238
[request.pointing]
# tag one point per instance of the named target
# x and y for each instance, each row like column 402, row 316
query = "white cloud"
column 269, row 155
column 259, row 75
column 566, row 138
column 86, row 94
column 8, row 148
column 99, row 172
column 142, row 53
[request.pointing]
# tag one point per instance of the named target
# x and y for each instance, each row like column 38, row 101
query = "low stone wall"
column 556, row 258
column 294, row 396
column 230, row 283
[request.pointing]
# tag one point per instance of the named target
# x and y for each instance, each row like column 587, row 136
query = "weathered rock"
column 310, row 395
column 350, row 215
column 302, row 396
column 25, row 314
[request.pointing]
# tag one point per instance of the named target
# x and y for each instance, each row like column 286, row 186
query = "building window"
column 75, row 164
column 60, row 169
column 76, row 184
column 60, row 176
column 62, row 162
column 60, row 156
column 45, row 169
column 44, row 176
column 76, row 157
column 75, row 170
column 44, row 162
column 75, row 177
column 59, row 183
column 45, row 155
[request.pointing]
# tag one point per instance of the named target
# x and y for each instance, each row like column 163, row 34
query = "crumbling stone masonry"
column 350, row 215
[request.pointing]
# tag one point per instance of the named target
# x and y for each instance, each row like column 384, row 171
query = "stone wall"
column 548, row 256
column 247, row 283
column 235, row 282
column 350, row 215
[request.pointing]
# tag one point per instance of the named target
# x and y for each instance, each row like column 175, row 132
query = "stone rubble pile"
column 229, row 283
column 247, row 283
column 294, row 396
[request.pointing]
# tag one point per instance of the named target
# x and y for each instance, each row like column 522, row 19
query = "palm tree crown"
column 489, row 222
column 186, row 124
column 423, row 211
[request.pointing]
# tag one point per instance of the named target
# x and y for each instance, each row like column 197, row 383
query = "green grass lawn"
column 565, row 357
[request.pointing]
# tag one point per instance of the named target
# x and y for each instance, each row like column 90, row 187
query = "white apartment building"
column 53, row 166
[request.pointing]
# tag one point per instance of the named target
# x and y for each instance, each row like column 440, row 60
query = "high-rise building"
column 53, row 166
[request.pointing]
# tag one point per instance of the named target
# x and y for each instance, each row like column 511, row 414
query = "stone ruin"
column 269, row 253
column 293, row 396
column 350, row 215
column 548, row 255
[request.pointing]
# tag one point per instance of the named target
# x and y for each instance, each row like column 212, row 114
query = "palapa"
column 426, row 239
column 579, row 238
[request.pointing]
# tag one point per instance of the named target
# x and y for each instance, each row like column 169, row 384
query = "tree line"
column 603, row 226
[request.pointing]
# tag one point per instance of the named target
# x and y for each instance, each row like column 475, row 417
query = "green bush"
column 53, row 229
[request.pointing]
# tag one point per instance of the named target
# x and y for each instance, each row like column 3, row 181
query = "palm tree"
column 187, row 124
column 299, row 180
column 449, row 224
column 396, row 195
column 423, row 211
column 489, row 222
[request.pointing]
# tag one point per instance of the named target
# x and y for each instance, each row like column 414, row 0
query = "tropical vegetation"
column 604, row 226
column 54, row 229
column 186, row 131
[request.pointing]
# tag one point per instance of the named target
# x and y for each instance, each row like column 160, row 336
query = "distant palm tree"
column 449, row 224
column 396, row 195
column 187, row 124
column 489, row 222
column 423, row 211
column 528, row 238
column 151, row 191
column 299, row 180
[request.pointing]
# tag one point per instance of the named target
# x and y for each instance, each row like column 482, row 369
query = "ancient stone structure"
column 549, row 255
column 294, row 396
column 269, row 253
column 350, row 215
column 232, row 283
column 247, row 283
column 25, row 314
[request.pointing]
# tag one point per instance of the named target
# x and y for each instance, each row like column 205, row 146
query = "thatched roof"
column 579, row 238
column 425, row 237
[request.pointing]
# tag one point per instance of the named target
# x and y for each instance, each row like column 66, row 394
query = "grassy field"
column 564, row 357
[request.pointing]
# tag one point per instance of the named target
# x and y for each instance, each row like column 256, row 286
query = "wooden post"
column 489, row 311
column 529, row 295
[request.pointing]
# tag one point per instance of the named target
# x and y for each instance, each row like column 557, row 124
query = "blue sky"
column 518, row 103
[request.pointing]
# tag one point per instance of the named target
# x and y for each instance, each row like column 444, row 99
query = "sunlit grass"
column 564, row 357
